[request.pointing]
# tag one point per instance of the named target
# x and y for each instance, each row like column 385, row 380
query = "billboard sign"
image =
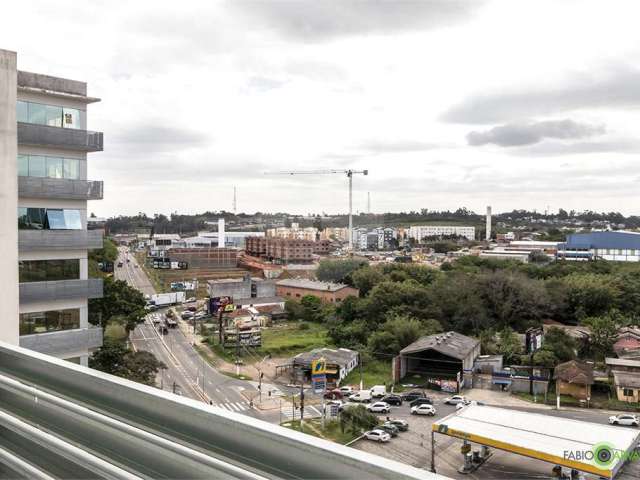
column 319, row 375
column 216, row 303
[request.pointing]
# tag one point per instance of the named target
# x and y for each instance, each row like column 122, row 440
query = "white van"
column 378, row 391
column 361, row 396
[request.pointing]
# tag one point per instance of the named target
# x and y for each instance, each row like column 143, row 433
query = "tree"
column 312, row 309
column 337, row 270
column 604, row 330
column 510, row 346
column 545, row 358
column 398, row 332
column 591, row 295
column 358, row 418
column 118, row 359
column 560, row 343
column 119, row 302
column 365, row 278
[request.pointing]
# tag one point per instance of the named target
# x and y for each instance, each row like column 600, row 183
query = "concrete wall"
column 240, row 288
column 8, row 199
column 634, row 398
column 265, row 288
column 580, row 392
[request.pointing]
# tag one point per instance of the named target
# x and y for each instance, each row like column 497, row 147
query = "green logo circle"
column 603, row 454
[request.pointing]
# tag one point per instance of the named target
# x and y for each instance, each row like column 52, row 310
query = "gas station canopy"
column 561, row 441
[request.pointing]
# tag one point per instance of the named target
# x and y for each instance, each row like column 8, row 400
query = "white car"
column 347, row 389
column 454, row 400
column 460, row 406
column 424, row 409
column 377, row 436
column 361, row 396
column 379, row 407
column 625, row 419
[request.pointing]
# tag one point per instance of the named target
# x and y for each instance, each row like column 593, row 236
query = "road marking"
column 241, row 407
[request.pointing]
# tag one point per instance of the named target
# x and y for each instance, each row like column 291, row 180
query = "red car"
column 333, row 395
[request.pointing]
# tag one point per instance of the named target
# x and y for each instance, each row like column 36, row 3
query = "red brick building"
column 327, row 292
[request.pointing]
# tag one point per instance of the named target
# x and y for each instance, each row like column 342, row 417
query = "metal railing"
column 60, row 290
column 29, row 240
column 63, row 342
column 69, row 138
column 37, row 187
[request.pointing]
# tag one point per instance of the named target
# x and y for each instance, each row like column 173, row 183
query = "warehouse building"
column 242, row 288
column 327, row 292
column 618, row 246
column 439, row 359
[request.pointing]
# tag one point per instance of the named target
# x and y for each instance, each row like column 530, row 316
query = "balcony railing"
column 60, row 290
column 64, row 341
column 37, row 187
column 68, row 138
column 30, row 240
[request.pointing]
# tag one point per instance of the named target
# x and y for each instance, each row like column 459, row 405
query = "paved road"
column 187, row 373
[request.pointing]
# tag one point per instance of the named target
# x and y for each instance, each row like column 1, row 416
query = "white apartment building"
column 420, row 232
column 294, row 232
column 339, row 233
column 50, row 171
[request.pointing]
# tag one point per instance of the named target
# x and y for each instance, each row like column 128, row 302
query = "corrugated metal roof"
column 626, row 379
column 619, row 239
column 338, row 356
column 311, row 284
column 452, row 344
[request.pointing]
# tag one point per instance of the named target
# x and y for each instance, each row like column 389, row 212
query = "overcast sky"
column 514, row 104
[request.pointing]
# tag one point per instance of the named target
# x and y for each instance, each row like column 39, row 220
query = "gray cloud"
column 616, row 87
column 620, row 145
column 149, row 138
column 518, row 134
column 313, row 20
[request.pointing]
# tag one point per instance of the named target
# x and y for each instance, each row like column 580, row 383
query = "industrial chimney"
column 488, row 229
column 221, row 239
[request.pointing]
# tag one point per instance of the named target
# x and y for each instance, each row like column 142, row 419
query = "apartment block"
column 426, row 231
column 49, row 170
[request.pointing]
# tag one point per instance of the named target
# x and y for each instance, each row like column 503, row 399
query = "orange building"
column 327, row 292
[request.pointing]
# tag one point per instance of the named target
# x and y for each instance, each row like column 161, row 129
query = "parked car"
column 378, row 391
column 361, row 396
column 333, row 395
column 392, row 399
column 625, row 419
column 347, row 389
column 412, row 395
column 424, row 409
column 192, row 308
column 460, row 406
column 421, row 401
column 187, row 315
column 454, row 400
column 377, row 435
column 379, row 407
column 190, row 300
column 402, row 425
column 119, row 264
column 390, row 428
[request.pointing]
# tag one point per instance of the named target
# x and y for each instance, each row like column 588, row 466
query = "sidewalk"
column 502, row 399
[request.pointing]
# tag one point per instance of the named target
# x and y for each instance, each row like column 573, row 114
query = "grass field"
column 374, row 372
column 330, row 432
column 292, row 338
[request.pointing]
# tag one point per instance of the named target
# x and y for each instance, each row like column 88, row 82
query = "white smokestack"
column 488, row 229
column 221, row 239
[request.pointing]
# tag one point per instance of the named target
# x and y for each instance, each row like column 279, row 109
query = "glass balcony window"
column 51, row 321
column 51, row 115
column 50, row 167
column 48, row 270
column 49, row 219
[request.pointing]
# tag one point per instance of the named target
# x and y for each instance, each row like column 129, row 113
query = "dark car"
column 392, row 399
column 333, row 395
column 421, row 401
column 389, row 428
column 412, row 395
column 402, row 425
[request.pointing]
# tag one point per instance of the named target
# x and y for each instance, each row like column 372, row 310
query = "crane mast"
column 349, row 173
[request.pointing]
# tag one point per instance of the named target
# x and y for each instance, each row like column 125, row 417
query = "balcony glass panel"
column 23, row 165
column 54, row 167
column 37, row 166
column 48, row 270
column 51, row 321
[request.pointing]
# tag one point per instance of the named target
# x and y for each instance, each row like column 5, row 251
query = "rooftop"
column 311, row 284
column 574, row 371
column 258, row 301
column 54, row 86
column 626, row 379
column 453, row 344
column 622, row 362
column 339, row 356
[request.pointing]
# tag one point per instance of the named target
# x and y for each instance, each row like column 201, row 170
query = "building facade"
column 325, row 291
column 53, row 239
column 294, row 233
column 418, row 233
column 617, row 246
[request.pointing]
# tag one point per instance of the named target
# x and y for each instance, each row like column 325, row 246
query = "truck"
column 164, row 299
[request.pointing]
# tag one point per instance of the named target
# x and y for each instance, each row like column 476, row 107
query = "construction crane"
column 349, row 173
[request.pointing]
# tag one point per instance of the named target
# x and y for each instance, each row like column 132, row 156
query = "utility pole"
column 235, row 205
column 369, row 203
column 301, row 405
column 237, row 350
